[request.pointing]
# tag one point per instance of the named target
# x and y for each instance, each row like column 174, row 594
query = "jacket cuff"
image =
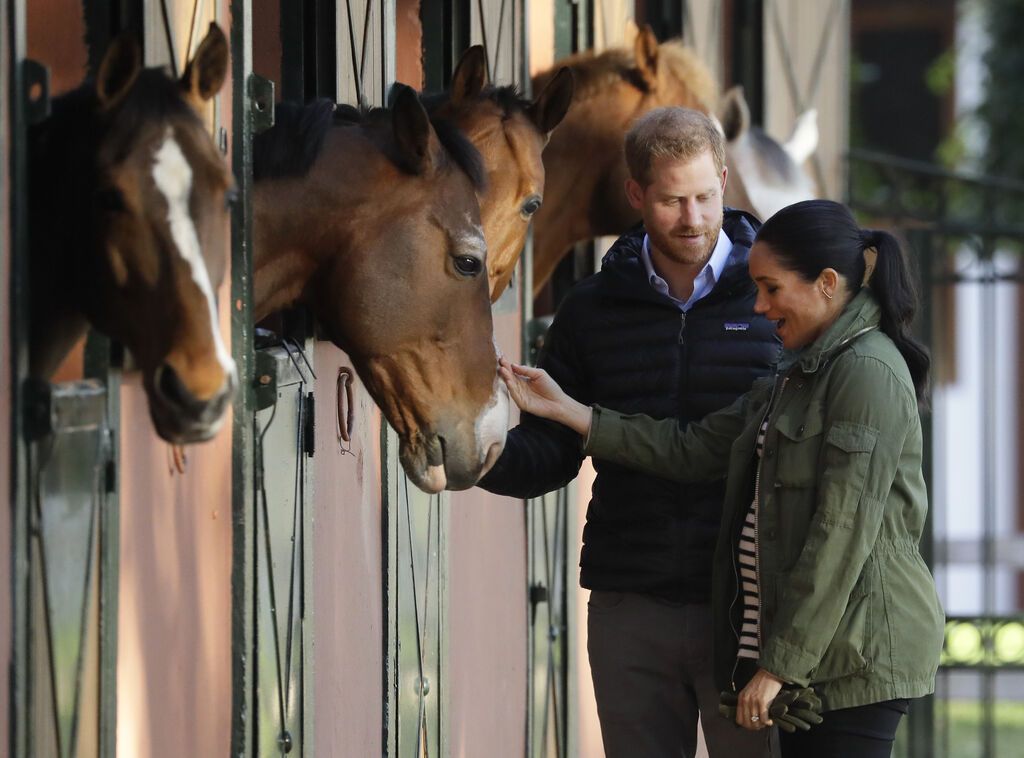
column 787, row 662
column 593, row 438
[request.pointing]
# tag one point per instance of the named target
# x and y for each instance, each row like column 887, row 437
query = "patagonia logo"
column 736, row 326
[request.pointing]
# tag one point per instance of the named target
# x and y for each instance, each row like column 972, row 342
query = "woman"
column 818, row 580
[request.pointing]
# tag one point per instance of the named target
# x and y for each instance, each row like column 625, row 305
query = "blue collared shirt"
column 703, row 283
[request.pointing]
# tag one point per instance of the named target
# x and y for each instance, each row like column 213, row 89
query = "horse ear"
column 120, row 66
column 804, row 139
column 205, row 73
column 734, row 114
column 551, row 105
column 645, row 50
column 470, row 75
column 412, row 130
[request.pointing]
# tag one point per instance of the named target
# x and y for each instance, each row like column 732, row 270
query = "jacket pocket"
column 845, row 653
column 799, row 445
column 846, row 460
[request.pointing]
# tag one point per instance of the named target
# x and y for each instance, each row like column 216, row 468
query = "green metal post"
column 242, row 469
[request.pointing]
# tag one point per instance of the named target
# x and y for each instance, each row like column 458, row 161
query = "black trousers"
column 867, row 731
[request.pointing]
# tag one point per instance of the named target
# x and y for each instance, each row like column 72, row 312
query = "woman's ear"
column 830, row 280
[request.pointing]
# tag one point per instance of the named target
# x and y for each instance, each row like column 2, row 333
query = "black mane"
column 292, row 145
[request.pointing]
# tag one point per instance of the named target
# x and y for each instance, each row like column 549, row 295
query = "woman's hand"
column 534, row 391
column 754, row 701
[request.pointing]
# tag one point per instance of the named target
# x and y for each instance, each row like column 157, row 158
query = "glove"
column 792, row 709
column 797, row 708
column 727, row 703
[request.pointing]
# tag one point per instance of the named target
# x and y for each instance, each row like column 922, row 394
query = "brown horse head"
column 372, row 220
column 510, row 133
column 130, row 231
column 764, row 175
column 584, row 161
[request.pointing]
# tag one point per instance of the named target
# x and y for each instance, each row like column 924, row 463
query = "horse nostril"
column 169, row 385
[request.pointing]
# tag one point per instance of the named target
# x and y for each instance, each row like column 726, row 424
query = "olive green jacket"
column 847, row 603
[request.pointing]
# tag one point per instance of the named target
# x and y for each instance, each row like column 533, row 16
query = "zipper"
column 757, row 561
column 757, row 514
column 682, row 326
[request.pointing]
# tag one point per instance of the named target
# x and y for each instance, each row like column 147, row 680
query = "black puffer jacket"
column 617, row 342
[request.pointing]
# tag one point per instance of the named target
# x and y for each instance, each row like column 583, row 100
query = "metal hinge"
column 35, row 79
column 309, row 425
column 265, row 386
column 261, row 93
column 538, row 595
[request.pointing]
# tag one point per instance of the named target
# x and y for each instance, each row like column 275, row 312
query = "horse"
column 764, row 175
column 510, row 133
column 584, row 161
column 128, row 228
column 370, row 218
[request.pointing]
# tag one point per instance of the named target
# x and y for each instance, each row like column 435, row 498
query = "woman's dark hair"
column 813, row 235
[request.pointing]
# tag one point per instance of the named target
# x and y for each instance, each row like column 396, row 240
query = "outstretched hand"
column 535, row 392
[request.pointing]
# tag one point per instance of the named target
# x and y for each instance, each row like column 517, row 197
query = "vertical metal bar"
column 242, row 459
column 292, row 59
column 327, row 49
column 921, row 721
column 989, row 445
column 748, row 54
column 15, row 106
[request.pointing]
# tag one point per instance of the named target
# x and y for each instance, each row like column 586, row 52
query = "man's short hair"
column 671, row 132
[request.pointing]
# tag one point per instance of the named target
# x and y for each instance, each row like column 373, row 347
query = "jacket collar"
column 622, row 268
column 861, row 315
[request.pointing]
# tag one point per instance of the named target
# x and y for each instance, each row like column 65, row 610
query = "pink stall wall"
column 347, row 582
column 487, row 612
column 174, row 630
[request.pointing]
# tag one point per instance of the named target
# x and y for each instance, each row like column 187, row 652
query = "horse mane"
column 506, row 97
column 594, row 73
column 292, row 145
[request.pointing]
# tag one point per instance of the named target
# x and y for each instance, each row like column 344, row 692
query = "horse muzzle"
column 457, row 453
column 178, row 415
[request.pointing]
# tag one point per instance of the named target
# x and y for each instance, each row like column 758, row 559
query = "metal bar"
column 242, row 459
column 15, row 129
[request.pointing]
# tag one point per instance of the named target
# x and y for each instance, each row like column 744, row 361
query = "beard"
column 691, row 252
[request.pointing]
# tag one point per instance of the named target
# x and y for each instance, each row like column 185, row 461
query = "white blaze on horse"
column 129, row 231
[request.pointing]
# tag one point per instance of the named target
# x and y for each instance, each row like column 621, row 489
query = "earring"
column 825, row 293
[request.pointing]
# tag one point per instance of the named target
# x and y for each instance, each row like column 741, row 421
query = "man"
column 666, row 328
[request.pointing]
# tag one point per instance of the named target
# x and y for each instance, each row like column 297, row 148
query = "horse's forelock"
column 462, row 152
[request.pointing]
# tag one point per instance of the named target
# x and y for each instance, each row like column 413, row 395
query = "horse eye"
column 467, row 265
column 531, row 206
column 110, row 199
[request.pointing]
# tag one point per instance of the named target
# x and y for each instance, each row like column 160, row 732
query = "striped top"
column 746, row 555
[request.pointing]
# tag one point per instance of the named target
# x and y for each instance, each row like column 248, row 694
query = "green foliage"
column 1002, row 110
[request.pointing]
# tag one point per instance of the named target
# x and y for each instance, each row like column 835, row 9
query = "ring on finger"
column 755, row 718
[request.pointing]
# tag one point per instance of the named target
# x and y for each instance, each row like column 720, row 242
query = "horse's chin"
column 431, row 480
column 181, row 431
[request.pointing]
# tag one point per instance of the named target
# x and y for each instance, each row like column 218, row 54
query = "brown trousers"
column 651, row 664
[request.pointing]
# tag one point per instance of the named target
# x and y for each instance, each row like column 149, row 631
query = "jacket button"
column 800, row 430
column 770, row 452
column 769, row 534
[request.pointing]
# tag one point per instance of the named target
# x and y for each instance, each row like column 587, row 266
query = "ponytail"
column 895, row 292
column 812, row 235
